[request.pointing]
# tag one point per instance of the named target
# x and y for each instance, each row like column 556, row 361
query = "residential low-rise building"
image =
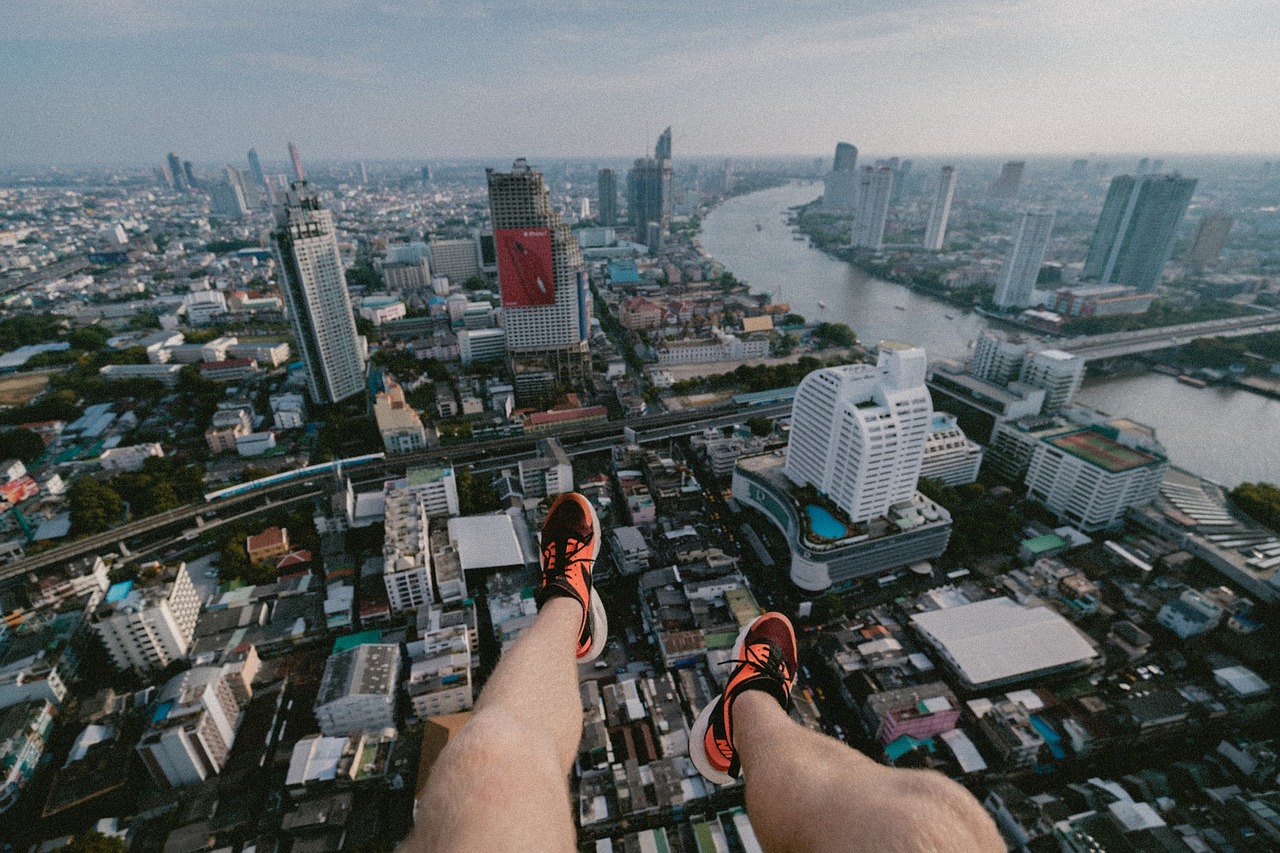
column 270, row 543
column 1190, row 614
column 358, row 690
column 949, row 455
column 147, row 624
column 399, row 425
column 24, row 732
column 439, row 679
column 288, row 410
column 129, row 458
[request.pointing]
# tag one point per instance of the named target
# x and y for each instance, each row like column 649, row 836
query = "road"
column 1117, row 344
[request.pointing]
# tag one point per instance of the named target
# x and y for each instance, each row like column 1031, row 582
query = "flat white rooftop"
column 486, row 541
column 998, row 639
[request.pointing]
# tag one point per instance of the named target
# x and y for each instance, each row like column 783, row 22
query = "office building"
column 840, row 187
column 607, row 198
column 189, row 172
column 998, row 357
column 875, row 186
column 1010, row 178
column 545, row 304
column 193, row 728
column 176, row 172
column 1022, row 264
column 858, row 432
column 457, row 259
column 228, row 196
column 1136, row 229
column 481, row 345
column 255, row 167
column 147, row 625
column 935, row 234
column 662, row 153
column 1089, row 478
column 296, row 159
column 1211, row 236
column 358, row 690
column 315, row 290
column 398, row 424
column 645, row 203
column 1058, row 373
column 949, row 455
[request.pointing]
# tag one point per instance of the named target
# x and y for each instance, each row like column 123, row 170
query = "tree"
column 92, row 841
column 792, row 320
column 476, row 282
column 95, row 506
column 22, row 443
column 90, row 338
column 834, row 335
column 760, row 425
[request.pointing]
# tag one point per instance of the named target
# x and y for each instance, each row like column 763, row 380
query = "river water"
column 1227, row 435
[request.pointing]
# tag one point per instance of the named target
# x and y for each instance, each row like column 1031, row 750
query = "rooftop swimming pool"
column 824, row 524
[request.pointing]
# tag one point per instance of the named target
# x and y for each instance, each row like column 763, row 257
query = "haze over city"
column 120, row 80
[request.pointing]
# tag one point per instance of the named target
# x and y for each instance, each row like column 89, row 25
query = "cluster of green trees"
column 763, row 377
column 833, row 335
column 23, row 444
column 981, row 525
column 1260, row 501
column 164, row 483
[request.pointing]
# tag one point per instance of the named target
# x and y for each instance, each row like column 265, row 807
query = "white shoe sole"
column 698, row 734
column 596, row 616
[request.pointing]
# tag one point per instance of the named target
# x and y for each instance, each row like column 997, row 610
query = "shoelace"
column 570, row 555
column 774, row 666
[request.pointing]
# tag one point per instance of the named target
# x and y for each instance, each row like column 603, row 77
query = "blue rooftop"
column 623, row 272
column 162, row 711
column 118, row 591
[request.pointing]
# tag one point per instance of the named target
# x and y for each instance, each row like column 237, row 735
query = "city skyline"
column 108, row 82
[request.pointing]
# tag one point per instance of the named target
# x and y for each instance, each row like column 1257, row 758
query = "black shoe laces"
column 774, row 666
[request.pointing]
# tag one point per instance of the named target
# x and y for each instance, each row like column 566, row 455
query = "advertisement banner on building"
column 524, row 266
column 14, row 493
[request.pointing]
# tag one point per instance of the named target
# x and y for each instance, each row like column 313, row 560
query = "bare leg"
column 502, row 782
column 809, row 792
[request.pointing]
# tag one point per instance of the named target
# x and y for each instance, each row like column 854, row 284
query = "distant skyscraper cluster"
column 935, row 233
column 1022, row 264
column 1136, row 229
column 315, row 290
column 649, row 193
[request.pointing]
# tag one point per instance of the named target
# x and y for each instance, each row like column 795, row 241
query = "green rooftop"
column 1042, row 544
column 425, row 475
column 364, row 638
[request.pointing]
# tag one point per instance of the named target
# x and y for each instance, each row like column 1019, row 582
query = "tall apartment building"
column 858, row 432
column 607, row 198
column 1006, row 185
column 230, row 197
column 950, row 455
column 1022, row 264
column 458, row 259
column 175, row 171
column 1136, row 228
column 295, row 157
column 875, row 188
column 840, row 187
column 1088, row 478
column 998, row 357
column 147, row 625
column 406, row 553
column 194, row 727
column 1211, row 236
column 546, row 307
column 315, row 289
column 255, row 167
column 645, row 202
column 935, row 233
column 1058, row 373
column 358, row 690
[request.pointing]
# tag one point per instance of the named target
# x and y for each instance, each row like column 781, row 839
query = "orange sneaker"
column 767, row 660
column 570, row 545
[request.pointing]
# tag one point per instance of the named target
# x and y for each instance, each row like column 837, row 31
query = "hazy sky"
column 106, row 80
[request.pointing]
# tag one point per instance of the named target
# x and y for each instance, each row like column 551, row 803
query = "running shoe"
column 570, row 545
column 766, row 657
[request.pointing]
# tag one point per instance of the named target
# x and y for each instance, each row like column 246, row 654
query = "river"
column 1227, row 435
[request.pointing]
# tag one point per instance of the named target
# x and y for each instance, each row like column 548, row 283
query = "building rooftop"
column 486, row 541
column 363, row 670
column 1098, row 449
column 999, row 640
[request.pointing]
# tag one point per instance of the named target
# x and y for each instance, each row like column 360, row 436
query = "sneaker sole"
column 698, row 734
column 596, row 616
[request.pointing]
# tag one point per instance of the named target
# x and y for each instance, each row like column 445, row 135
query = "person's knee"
column 943, row 808
column 494, row 740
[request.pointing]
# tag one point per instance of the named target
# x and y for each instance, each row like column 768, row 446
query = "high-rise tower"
column 607, row 200
column 1022, row 264
column 840, row 188
column 936, row 232
column 846, row 159
column 296, row 158
column 315, row 290
column 255, row 166
column 546, row 308
column 1211, row 236
column 1006, row 185
column 179, row 176
column 1135, row 231
column 875, row 187
column 858, row 432
column 644, row 197
column 230, row 197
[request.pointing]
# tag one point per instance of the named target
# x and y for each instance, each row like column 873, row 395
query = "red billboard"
column 524, row 266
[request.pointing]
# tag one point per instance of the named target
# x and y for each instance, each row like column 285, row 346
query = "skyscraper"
column 296, row 158
column 230, row 196
column 255, row 166
column 364, row 174
column 175, row 169
column 840, row 188
column 662, row 150
column 608, row 198
column 1211, row 236
column 545, row 305
column 858, row 432
column 1006, row 185
column 1022, row 264
column 645, row 203
column 189, row 174
column 875, row 187
column 315, row 290
column 1136, row 228
column 936, row 232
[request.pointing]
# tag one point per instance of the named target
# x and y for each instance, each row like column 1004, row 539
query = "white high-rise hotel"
column 936, row 232
column 858, row 432
column 315, row 290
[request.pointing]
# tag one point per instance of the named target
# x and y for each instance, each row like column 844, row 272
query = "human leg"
column 502, row 781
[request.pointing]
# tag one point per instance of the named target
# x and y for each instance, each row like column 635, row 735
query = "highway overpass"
column 1118, row 344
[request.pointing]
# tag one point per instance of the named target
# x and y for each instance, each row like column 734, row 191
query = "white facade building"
column 858, row 432
column 998, row 357
column 479, row 345
column 358, row 690
column 193, row 729
column 288, row 410
column 935, row 233
column 146, row 628
column 875, row 188
column 1022, row 265
column 315, row 290
column 440, row 673
column 129, row 458
column 721, row 346
column 1058, row 373
column 1089, row 478
column 950, row 455
column 205, row 307
column 406, row 553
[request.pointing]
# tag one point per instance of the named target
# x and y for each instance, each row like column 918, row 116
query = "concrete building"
column 1190, row 614
column 166, row 373
column 858, row 432
column 630, row 550
column 477, row 346
column 409, row 276
column 1136, row 229
column 1057, row 373
column 270, row 543
column 840, row 186
column 315, row 290
column 406, row 553
column 921, row 712
column 998, row 357
column 205, row 307
column 379, row 308
column 399, row 425
column 358, row 690
column 1211, row 236
column 1007, row 183
column 1022, row 264
column 935, row 233
column 721, row 346
column 193, row 727
column 1104, row 301
column 288, row 410
column 950, row 455
column 875, row 188
column 129, row 458
column 541, row 335
column 607, row 198
column 1089, row 478
column 145, row 625
column 549, row 474
column 439, row 679
column 458, row 260
column 24, row 733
